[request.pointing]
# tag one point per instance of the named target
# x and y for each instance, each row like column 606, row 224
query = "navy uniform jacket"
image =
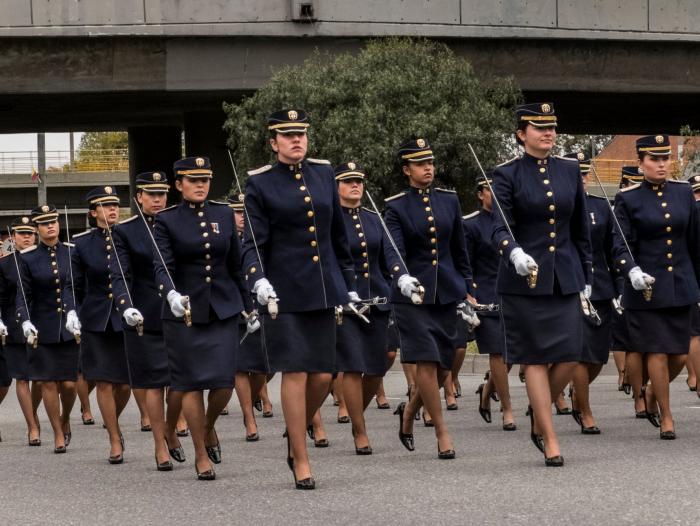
column 8, row 293
column 200, row 247
column 366, row 239
column 605, row 287
column 298, row 225
column 93, row 289
column 134, row 248
column 660, row 223
column 483, row 255
column 426, row 225
column 545, row 205
column 45, row 275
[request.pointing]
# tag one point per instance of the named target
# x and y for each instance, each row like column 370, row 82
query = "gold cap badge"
column 546, row 108
column 241, row 197
column 659, row 139
column 352, row 166
column 25, row 220
column 420, row 143
column 580, row 156
column 293, row 115
column 45, row 209
column 199, row 162
column 156, row 176
column 108, row 189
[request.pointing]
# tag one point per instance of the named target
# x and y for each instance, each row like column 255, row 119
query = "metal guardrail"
column 59, row 161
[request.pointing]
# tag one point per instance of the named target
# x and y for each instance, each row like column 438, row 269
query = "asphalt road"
column 624, row 476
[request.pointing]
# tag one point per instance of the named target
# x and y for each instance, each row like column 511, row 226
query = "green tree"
column 363, row 106
column 589, row 144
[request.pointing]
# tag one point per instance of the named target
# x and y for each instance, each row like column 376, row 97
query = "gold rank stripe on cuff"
column 417, row 154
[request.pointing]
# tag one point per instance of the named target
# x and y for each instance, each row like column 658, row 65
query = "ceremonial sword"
column 272, row 308
column 76, row 334
column 32, row 340
column 532, row 278
column 139, row 325
column 184, row 300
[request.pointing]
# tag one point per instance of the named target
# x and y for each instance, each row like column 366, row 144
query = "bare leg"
column 49, row 393
column 173, row 416
column 24, row 396
column 584, row 374
column 693, row 362
column 659, row 376
column 245, row 399
column 460, row 354
column 84, row 388
column 450, row 394
column 193, row 409
column 265, row 397
column 140, row 397
column 317, row 387
column 619, row 357
column 68, row 395
column 429, row 378
column 295, row 417
column 634, row 372
column 122, row 393
column 338, row 394
column 155, row 407
column 218, row 399
column 499, row 379
column 352, row 393
column 108, row 410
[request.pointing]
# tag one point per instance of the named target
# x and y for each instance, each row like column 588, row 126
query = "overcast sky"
column 22, row 142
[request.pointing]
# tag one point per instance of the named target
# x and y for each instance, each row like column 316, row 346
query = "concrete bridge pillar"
column 154, row 148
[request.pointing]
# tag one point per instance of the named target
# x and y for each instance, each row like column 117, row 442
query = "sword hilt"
column 647, row 293
column 33, row 340
column 4, row 339
column 418, row 297
column 532, row 278
column 339, row 315
column 77, row 335
column 139, row 328
column 272, row 308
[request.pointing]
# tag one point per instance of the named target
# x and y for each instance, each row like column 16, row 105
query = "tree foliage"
column 363, row 106
column 94, row 145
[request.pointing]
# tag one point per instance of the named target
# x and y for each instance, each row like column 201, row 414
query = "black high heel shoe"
column 34, row 442
column 448, row 454
column 177, row 453
column 303, row 484
column 86, row 421
column 209, row 474
column 321, row 442
column 426, row 422
column 667, row 435
column 405, row 438
column 258, row 405
column 652, row 417
column 182, row 432
column 60, row 449
column 536, row 439
column 485, row 413
column 366, row 450
column 164, row 466
column 250, row 437
column 554, row 462
column 214, row 452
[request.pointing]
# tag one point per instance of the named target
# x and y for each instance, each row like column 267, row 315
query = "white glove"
column 587, row 290
column 640, row 279
column 30, row 332
column 408, row 285
column 524, row 264
column 264, row 291
column 72, row 322
column 3, row 329
column 252, row 325
column 467, row 313
column 177, row 303
column 132, row 317
column 354, row 297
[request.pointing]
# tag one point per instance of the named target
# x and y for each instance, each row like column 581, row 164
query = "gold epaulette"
column 28, row 249
column 473, row 214
column 633, row 187
column 260, row 170
column 318, row 161
column 394, row 197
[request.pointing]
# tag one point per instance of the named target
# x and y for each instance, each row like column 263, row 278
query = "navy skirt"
column 598, row 340
column 5, row 378
column 361, row 347
column 54, row 362
column 541, row 329
column 427, row 333
column 103, row 358
column 489, row 334
column 301, row 341
column 17, row 361
column 392, row 336
column 462, row 335
column 620, row 334
column 663, row 331
column 202, row 356
column 147, row 359
column 695, row 320
column 252, row 354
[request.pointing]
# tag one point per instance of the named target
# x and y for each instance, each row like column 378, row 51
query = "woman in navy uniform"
column 597, row 339
column 431, row 276
column 14, row 349
column 296, row 251
column 484, row 258
column 198, row 271
column 659, row 220
column 361, row 347
column 49, row 316
column 147, row 356
column 250, row 363
column 543, row 200
column 103, row 358
column 693, row 362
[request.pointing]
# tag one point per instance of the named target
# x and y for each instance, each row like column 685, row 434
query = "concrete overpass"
column 161, row 67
